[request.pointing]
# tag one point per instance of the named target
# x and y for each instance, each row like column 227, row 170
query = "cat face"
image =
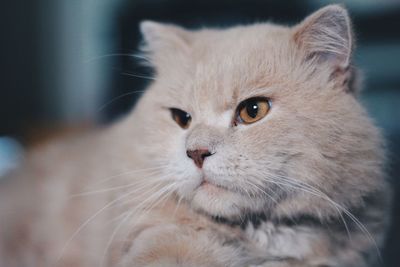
column 258, row 118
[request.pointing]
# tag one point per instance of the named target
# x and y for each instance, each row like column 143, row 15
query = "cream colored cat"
column 249, row 148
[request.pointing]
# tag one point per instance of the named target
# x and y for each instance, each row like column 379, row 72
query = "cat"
column 250, row 148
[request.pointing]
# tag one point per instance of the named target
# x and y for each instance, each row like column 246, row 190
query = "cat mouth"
column 214, row 188
column 211, row 187
column 207, row 183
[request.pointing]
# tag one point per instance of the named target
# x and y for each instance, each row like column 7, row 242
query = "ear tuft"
column 147, row 26
column 164, row 44
column 158, row 34
column 326, row 34
column 151, row 30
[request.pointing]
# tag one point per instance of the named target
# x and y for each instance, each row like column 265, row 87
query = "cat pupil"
column 252, row 109
column 184, row 117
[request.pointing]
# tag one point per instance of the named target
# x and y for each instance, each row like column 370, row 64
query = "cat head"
column 258, row 118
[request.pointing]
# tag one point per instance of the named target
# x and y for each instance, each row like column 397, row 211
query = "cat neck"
column 251, row 218
column 256, row 219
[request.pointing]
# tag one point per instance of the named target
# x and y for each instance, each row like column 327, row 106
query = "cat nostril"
column 198, row 156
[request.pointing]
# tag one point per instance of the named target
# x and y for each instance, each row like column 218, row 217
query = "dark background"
column 62, row 62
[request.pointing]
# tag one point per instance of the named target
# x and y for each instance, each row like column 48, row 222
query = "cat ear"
column 164, row 43
column 326, row 36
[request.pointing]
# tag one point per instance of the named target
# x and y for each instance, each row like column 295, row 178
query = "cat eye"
column 182, row 118
column 252, row 110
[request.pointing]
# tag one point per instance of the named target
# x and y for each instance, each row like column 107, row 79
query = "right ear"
column 327, row 36
column 164, row 43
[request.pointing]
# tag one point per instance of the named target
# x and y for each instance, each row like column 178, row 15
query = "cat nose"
column 198, row 156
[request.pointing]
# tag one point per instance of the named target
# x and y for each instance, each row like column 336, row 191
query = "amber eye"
column 252, row 110
column 181, row 117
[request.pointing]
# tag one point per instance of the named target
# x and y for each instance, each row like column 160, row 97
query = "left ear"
column 164, row 44
column 326, row 36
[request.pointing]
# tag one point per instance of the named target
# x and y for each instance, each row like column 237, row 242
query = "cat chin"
column 217, row 201
column 213, row 198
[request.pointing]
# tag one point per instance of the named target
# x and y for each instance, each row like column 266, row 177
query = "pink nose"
column 198, row 156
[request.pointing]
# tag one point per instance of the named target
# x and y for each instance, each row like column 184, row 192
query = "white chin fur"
column 218, row 202
column 214, row 200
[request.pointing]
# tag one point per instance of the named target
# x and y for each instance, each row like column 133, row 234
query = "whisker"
column 84, row 224
column 118, row 217
column 135, row 183
column 109, row 55
column 316, row 192
column 262, row 191
column 177, row 205
column 130, row 172
column 138, row 76
column 118, row 97
column 141, row 56
column 157, row 195
column 152, row 190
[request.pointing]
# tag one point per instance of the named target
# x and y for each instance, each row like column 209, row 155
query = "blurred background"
column 67, row 65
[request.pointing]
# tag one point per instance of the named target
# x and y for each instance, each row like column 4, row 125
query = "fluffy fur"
column 303, row 186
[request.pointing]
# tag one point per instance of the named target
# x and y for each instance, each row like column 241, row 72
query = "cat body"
column 250, row 148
